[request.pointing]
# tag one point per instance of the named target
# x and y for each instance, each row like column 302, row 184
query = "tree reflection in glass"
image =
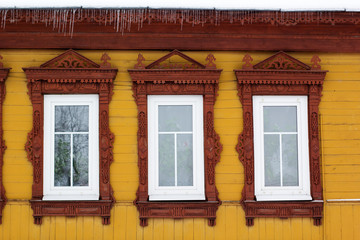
column 71, row 164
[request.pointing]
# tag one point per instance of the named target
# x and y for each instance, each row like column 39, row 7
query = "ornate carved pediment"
column 71, row 67
column 71, row 73
column 280, row 74
column 162, row 64
column 178, row 72
column 280, row 68
column 70, row 59
column 194, row 78
column 281, row 61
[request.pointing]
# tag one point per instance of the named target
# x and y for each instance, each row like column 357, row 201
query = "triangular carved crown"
column 70, row 59
column 192, row 64
column 281, row 61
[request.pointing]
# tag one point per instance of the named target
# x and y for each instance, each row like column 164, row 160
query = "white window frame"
column 282, row 193
column 91, row 192
column 161, row 193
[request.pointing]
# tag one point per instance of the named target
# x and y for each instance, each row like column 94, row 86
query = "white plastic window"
column 71, row 147
column 176, row 148
column 281, row 150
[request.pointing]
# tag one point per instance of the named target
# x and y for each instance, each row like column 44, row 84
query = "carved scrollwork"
column 270, row 78
column 70, row 73
column 4, row 72
column 177, row 80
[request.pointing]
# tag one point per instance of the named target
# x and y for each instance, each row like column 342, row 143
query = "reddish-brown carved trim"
column 181, row 29
column 186, row 79
column 3, row 75
column 280, row 74
column 70, row 73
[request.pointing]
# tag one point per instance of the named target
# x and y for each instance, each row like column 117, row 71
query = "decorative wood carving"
column 3, row 75
column 70, row 73
column 280, row 74
column 182, row 29
column 192, row 78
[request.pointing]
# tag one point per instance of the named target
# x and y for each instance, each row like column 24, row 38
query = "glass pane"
column 72, row 118
column 272, row 159
column 62, row 160
column 184, row 159
column 81, row 160
column 175, row 118
column 166, row 160
column 290, row 160
column 280, row 119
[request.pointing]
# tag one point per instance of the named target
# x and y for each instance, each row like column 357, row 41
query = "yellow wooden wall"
column 340, row 117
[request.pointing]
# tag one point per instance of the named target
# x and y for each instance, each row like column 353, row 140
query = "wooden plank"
column 230, row 222
column 132, row 222
column 45, row 228
column 71, row 228
column 119, row 222
column 108, row 230
column 220, row 227
column 178, row 229
column 79, row 227
column 34, row 230
column 199, row 229
column 242, row 229
column 14, row 221
column 158, row 230
column 356, row 215
column 262, row 228
column 296, row 228
column 334, row 228
column 169, row 226
column 88, row 228
column 254, row 230
column 189, row 228
column 25, row 216
column 278, row 228
column 307, row 225
column 60, row 228
column 270, row 229
column 98, row 229
column 347, row 222
column 286, row 229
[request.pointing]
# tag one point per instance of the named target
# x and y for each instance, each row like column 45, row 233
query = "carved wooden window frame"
column 280, row 74
column 71, row 73
column 177, row 79
column 4, row 72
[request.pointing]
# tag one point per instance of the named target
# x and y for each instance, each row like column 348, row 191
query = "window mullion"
column 175, row 154
column 71, row 159
column 281, row 168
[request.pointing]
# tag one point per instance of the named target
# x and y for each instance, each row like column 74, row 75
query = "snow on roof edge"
column 185, row 8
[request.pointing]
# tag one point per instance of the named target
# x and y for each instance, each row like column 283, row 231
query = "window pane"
column 272, row 159
column 166, row 160
column 280, row 119
column 184, row 160
column 175, row 118
column 290, row 160
column 81, row 160
column 72, row 118
column 62, row 160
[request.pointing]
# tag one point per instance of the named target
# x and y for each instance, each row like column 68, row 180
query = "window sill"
column 190, row 209
column 283, row 209
column 99, row 208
